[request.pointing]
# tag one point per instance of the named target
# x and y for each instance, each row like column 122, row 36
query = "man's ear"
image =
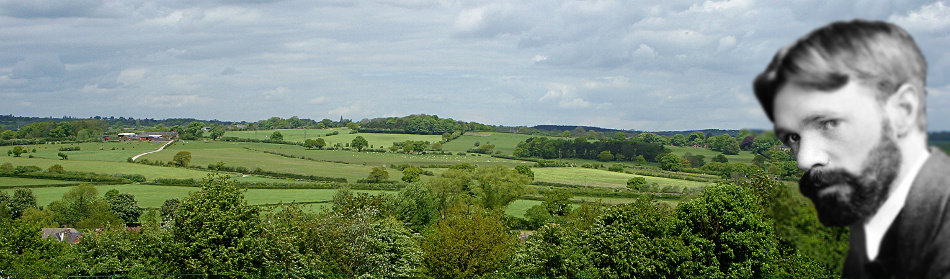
column 902, row 109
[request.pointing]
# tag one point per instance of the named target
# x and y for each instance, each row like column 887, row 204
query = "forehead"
column 795, row 105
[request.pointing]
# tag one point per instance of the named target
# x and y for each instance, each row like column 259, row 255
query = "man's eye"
column 792, row 139
column 829, row 124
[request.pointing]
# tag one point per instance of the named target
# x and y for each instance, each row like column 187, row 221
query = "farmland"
column 111, row 158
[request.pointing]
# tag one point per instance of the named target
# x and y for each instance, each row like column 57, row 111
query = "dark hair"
column 877, row 54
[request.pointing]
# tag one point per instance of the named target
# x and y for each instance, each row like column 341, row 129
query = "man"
column 849, row 99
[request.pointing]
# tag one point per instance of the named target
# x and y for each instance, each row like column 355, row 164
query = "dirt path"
column 150, row 152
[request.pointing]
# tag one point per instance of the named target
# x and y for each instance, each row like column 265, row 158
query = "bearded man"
column 849, row 99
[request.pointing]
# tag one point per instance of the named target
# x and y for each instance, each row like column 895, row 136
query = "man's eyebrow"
column 809, row 119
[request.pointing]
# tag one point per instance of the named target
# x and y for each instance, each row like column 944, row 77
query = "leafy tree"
column 217, row 131
column 557, row 202
column 679, row 140
column 124, row 206
column 525, row 170
column 318, row 143
column 640, row 160
column 359, row 143
column 416, row 205
column 697, row 138
column 497, row 186
column 670, row 162
column 62, row 156
column 218, row 232
column 82, row 208
column 720, row 158
column 182, row 158
column 694, row 161
column 378, row 174
column 353, row 126
column 22, row 200
column 168, row 210
column 18, row 150
column 605, row 156
column 7, row 135
column 468, row 242
column 56, row 168
column 276, row 136
column 192, row 131
column 636, row 182
column 411, row 174
column 6, row 167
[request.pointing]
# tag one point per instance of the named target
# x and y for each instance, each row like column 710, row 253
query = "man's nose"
column 810, row 154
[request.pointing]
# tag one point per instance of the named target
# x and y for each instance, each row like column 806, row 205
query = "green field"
column 603, row 178
column 504, row 142
column 742, row 157
column 91, row 151
column 153, row 196
column 379, row 159
column 344, row 137
column 31, row 182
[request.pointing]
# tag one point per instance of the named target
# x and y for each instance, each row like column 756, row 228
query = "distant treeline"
column 419, row 124
column 621, row 150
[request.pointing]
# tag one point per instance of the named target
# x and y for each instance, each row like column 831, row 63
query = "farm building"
column 148, row 136
column 62, row 234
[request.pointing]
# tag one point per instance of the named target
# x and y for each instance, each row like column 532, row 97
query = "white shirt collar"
column 877, row 226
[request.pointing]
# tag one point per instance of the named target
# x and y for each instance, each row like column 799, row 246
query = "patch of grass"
column 344, row 137
column 518, row 208
column 30, row 182
column 91, row 151
column 504, row 142
column 742, row 157
column 603, row 178
column 380, row 159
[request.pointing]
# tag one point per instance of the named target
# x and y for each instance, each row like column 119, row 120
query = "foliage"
column 469, row 242
column 218, row 231
column 525, row 170
column 276, row 135
column 182, row 158
column 318, row 143
column 168, row 209
column 378, row 174
column 636, row 182
column 124, row 206
column 17, row 151
column 670, row 162
column 62, row 156
column 605, row 156
column 359, row 143
column 547, row 148
column 411, row 174
column 22, row 200
column 82, row 208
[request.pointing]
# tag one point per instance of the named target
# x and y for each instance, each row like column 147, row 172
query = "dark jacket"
column 917, row 245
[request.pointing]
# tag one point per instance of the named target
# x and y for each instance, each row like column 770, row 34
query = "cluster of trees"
column 449, row 227
column 618, row 149
column 82, row 130
column 420, row 124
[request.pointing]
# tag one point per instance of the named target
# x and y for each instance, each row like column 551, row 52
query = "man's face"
column 843, row 140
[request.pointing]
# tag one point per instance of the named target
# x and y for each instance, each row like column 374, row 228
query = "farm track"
column 150, row 152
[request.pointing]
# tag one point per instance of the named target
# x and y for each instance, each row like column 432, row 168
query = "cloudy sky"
column 617, row 64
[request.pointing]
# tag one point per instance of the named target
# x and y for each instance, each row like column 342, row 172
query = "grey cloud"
column 50, row 8
column 39, row 66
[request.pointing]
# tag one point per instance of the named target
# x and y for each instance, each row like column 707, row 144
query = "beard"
column 868, row 190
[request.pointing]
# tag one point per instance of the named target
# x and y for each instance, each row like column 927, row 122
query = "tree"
column 276, row 136
column 182, row 158
column 378, row 174
column 497, row 186
column 168, row 210
column 359, row 143
column 57, row 168
column 22, row 200
column 82, row 208
column 18, row 150
column 217, row 230
column 468, row 242
column 62, row 156
column 318, row 143
column 525, row 170
column 7, row 135
column 217, row 131
column 124, row 206
column 720, row 158
column 411, row 174
column 679, row 140
column 670, row 162
column 640, row 160
column 193, row 131
column 353, row 126
column 636, row 182
column 605, row 156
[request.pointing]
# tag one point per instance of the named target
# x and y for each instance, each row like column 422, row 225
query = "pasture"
column 344, row 137
column 603, row 178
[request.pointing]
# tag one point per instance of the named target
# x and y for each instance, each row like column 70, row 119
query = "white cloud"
column 318, row 100
column 931, row 17
column 277, row 93
column 131, row 76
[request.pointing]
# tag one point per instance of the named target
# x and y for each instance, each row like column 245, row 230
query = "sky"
column 631, row 65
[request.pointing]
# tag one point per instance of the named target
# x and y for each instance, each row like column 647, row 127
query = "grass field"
column 344, row 137
column 232, row 154
column 153, row 196
column 378, row 159
column 504, row 142
column 603, row 178
column 31, row 182
column 91, row 151
column 742, row 157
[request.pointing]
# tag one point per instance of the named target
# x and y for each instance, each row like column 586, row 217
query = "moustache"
column 815, row 180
